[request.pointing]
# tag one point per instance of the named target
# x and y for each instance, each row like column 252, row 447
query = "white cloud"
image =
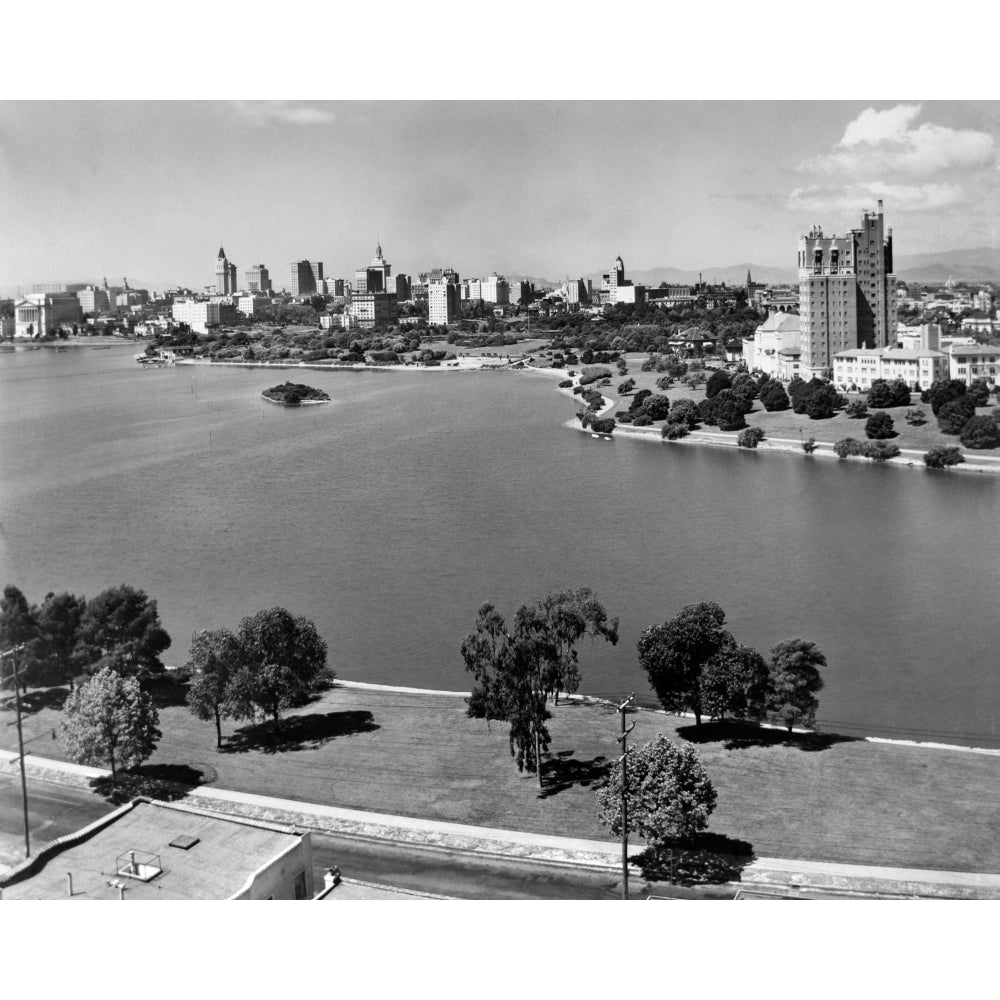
column 287, row 112
column 856, row 196
column 886, row 143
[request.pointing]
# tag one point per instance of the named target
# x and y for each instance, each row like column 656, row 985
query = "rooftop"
column 225, row 853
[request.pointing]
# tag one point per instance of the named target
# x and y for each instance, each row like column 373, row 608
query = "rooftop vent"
column 138, row 864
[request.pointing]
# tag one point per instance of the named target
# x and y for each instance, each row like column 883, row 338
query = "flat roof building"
column 165, row 850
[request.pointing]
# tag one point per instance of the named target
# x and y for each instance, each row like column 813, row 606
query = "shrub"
column 773, row 396
column 879, row 451
column 857, row 409
column 566, row 383
column 955, row 414
column 879, row 426
column 942, row 457
column 594, row 375
column 577, row 389
column 750, row 437
column 684, row 411
column 847, row 447
column 980, row 433
column 664, row 383
column 642, row 420
column 809, row 446
column 602, row 425
column 673, row 432
column 623, row 417
column 639, row 398
column 624, row 388
column 916, row 418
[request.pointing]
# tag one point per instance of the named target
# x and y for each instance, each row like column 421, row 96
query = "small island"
column 291, row 394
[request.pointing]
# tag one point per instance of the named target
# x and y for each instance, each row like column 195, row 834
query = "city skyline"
column 547, row 189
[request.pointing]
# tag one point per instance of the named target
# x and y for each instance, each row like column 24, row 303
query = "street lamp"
column 12, row 653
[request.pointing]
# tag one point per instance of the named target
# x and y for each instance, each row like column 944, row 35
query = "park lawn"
column 841, row 800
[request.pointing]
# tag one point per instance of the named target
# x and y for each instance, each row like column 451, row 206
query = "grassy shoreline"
column 819, row 797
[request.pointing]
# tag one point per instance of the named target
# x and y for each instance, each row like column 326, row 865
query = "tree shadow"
column 708, row 858
column 735, row 735
column 299, row 732
column 166, row 690
column 562, row 771
column 35, row 700
column 165, row 782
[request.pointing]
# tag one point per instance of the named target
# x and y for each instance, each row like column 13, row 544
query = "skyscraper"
column 847, row 292
column 258, row 279
column 225, row 275
column 374, row 277
column 443, row 302
column 303, row 278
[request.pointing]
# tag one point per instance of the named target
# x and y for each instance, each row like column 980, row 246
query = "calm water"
column 389, row 515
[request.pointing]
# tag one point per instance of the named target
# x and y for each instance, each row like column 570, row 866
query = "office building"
column 303, row 278
column 519, row 292
column 495, row 290
column 578, row 291
column 258, row 280
column 847, row 293
column 225, row 274
column 370, row 309
column 93, row 300
column 373, row 277
column 443, row 302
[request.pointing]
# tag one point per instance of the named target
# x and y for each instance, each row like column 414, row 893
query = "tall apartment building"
column 495, row 289
column 578, row 291
column 443, row 302
column 374, row 277
column 199, row 315
column 303, row 279
column 258, row 279
column 847, row 293
column 225, row 274
column 519, row 292
column 93, row 299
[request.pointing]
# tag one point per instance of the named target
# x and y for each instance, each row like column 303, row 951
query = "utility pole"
column 623, row 761
column 12, row 653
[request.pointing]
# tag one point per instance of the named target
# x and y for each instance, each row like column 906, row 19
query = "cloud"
column 282, row 112
column 852, row 197
column 881, row 143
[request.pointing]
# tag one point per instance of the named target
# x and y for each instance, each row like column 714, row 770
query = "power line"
column 12, row 653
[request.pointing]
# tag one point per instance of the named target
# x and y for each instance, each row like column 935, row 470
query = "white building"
column 969, row 362
column 249, row 304
column 926, row 337
column 495, row 290
column 443, row 304
column 199, row 315
column 93, row 299
column 862, row 366
column 39, row 313
column 779, row 332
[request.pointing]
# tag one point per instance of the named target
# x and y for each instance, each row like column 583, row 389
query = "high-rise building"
column 847, row 292
column 373, row 277
column 317, row 270
column 303, row 278
column 443, row 302
column 519, row 292
column 225, row 275
column 258, row 279
column 93, row 300
column 577, row 291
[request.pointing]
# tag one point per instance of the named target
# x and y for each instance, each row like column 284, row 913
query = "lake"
column 390, row 514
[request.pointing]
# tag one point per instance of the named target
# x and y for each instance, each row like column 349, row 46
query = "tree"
column 507, row 667
column 675, row 653
column 667, row 791
column 916, row 417
column 884, row 394
column 656, row 407
column 941, row 392
column 795, row 679
column 750, row 437
column 110, row 719
column 717, row 381
column 282, row 659
column 857, row 410
column 639, row 398
column 214, row 659
column 58, row 625
column 879, row 426
column 979, row 392
column 980, row 432
column 736, row 680
column 729, row 411
column 955, row 414
column 624, row 388
column 773, row 396
column 821, row 401
column 122, row 625
column 942, row 457
column 17, row 625
column 684, row 411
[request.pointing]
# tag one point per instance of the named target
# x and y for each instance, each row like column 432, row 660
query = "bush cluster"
column 750, row 437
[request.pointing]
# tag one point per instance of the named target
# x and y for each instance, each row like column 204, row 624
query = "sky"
column 151, row 190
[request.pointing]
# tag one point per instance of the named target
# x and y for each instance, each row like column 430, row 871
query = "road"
column 55, row 810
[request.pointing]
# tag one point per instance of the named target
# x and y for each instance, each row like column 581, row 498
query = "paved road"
column 55, row 810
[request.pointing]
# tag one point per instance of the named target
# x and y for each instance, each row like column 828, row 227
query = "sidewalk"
column 541, row 848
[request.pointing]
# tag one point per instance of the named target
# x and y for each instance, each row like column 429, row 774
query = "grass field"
column 822, row 798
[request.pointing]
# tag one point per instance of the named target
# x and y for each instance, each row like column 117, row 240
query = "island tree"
column 795, row 679
column 110, row 720
column 214, row 659
column 667, row 791
column 675, row 654
column 282, row 657
column 121, row 626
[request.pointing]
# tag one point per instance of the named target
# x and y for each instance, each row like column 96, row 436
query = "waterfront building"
column 303, row 278
column 199, row 315
column 39, row 313
column 225, row 274
column 861, row 366
column 443, row 302
column 149, row 850
column 257, row 279
column 847, row 293
column 762, row 351
column 968, row 362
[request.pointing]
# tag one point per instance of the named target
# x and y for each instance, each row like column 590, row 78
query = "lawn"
column 826, row 798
